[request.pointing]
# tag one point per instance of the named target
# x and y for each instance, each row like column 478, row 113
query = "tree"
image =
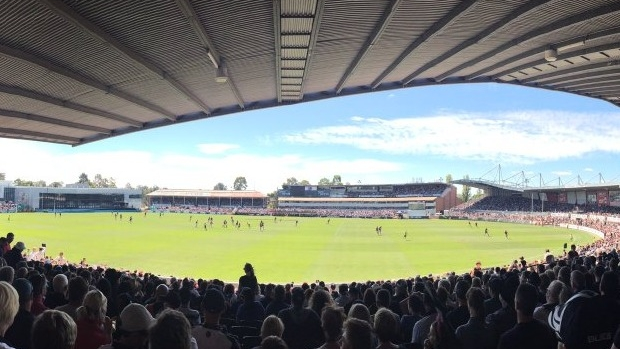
column 56, row 184
column 291, row 181
column 145, row 190
column 324, row 181
column 240, row 183
column 84, row 179
column 466, row 192
column 128, row 186
column 337, row 180
column 102, row 182
column 2, row 176
column 304, row 182
column 220, row 186
column 448, row 178
column 40, row 183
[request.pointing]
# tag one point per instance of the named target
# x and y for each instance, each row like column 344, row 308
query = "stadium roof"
column 80, row 71
column 360, row 199
column 208, row 193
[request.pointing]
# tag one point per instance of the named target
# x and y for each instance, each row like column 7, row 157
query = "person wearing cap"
column 9, row 306
column 133, row 328
column 14, row 256
column 94, row 327
column 211, row 334
column 19, row 333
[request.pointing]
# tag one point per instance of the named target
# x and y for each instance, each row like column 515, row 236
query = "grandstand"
column 208, row 199
column 412, row 200
column 73, row 197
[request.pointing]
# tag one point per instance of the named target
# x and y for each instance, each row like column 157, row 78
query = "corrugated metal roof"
column 73, row 69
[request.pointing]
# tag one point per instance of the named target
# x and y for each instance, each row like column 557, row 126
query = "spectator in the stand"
column 54, row 330
column 504, row 319
column 386, row 328
column 94, row 327
column 354, row 298
column 343, row 297
column 383, row 299
column 460, row 315
column 493, row 304
column 14, row 255
column 302, row 327
column 5, row 245
column 319, row 300
column 528, row 332
column 9, row 306
column 475, row 334
column 58, row 296
column 193, row 316
column 273, row 342
column 76, row 292
column 158, row 303
column 357, row 334
column 415, row 308
column 39, row 288
column 359, row 311
column 132, row 329
column 332, row 321
column 278, row 302
column 211, row 334
column 7, row 274
column 19, row 333
column 250, row 310
column 272, row 326
column 249, row 279
column 422, row 328
column 541, row 313
column 267, row 295
column 170, row 331
column 370, row 300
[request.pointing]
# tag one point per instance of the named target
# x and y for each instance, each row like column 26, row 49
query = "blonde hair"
column 272, row 326
column 94, row 306
column 54, row 329
column 9, row 305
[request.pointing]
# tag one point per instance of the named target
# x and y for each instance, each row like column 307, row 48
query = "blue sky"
column 397, row 136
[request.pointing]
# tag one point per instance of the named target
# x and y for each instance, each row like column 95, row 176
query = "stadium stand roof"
column 364, row 199
column 80, row 71
column 207, row 193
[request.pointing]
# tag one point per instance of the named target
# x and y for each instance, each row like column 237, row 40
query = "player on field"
column 506, row 233
column 486, row 232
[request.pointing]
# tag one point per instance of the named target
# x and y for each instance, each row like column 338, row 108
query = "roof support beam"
column 63, row 10
column 316, row 25
column 203, row 36
column 435, row 29
column 52, row 121
column 278, row 47
column 34, row 135
column 539, row 52
column 584, row 76
column 568, row 55
column 66, row 104
column 537, row 33
column 370, row 42
column 483, row 35
column 98, row 85
column 579, row 69
column 599, row 89
column 595, row 80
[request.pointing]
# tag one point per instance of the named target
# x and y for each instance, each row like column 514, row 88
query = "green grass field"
column 344, row 250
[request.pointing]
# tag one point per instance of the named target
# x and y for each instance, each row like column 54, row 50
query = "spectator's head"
column 495, row 286
column 9, row 305
column 77, row 290
column 273, row 342
column 279, row 293
column 370, row 298
column 24, row 291
column 553, row 291
column 248, row 269
column 248, row 295
column 213, row 302
column 414, row 304
column 10, row 237
column 359, row 311
column 386, row 325
column 332, row 320
column 94, row 306
column 60, row 283
column 53, row 329
column 161, row 291
column 170, row 331
column 526, row 299
column 609, row 284
column 475, row 302
column 7, row 273
column 173, row 300
column 319, row 300
column 509, row 288
column 39, row 284
column 357, row 334
column 460, row 291
column 272, row 326
column 135, row 322
column 577, row 281
column 297, row 297
column 383, row 298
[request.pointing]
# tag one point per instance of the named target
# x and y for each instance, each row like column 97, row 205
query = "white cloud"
column 391, row 95
column 265, row 173
column 562, row 173
column 588, row 169
column 216, row 148
column 522, row 137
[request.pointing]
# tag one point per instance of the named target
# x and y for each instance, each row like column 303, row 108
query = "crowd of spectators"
column 523, row 204
column 7, row 206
